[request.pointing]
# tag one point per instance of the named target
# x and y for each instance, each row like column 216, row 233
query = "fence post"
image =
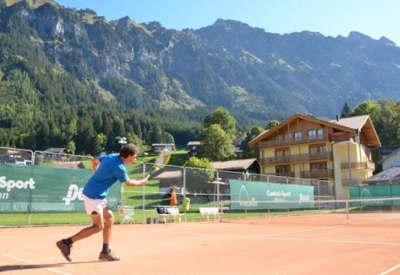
column 184, row 182
column 143, row 195
column 29, row 215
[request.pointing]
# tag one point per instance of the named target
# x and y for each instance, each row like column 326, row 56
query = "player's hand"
column 145, row 180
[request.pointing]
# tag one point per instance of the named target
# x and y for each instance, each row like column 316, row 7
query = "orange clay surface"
column 240, row 247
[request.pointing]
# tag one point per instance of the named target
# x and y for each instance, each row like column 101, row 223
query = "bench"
column 163, row 212
column 207, row 211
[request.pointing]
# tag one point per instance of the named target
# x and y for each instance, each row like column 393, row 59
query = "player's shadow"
column 37, row 266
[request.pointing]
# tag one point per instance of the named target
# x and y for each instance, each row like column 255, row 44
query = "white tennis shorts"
column 96, row 205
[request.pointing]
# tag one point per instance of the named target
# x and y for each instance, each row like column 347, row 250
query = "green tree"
column 199, row 175
column 346, row 111
column 367, row 108
column 216, row 144
column 71, row 146
column 155, row 134
column 168, row 138
column 387, row 123
column 272, row 123
column 223, row 118
column 251, row 152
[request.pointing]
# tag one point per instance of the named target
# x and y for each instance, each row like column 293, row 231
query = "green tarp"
column 260, row 195
column 26, row 188
column 374, row 192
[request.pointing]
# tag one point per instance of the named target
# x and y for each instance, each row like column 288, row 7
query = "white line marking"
column 23, row 261
column 276, row 238
column 14, row 258
column 390, row 270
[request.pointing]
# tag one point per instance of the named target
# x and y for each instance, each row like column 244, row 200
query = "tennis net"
column 367, row 212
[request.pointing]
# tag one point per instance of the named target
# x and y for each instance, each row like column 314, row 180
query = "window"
column 297, row 135
column 287, row 136
column 317, row 149
column 312, row 133
column 319, row 166
column 282, row 153
column 315, row 133
column 282, row 169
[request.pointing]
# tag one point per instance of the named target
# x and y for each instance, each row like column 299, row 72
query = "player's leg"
column 97, row 226
column 106, row 254
column 95, row 209
column 108, row 217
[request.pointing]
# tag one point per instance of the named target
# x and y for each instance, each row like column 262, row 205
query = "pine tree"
column 346, row 111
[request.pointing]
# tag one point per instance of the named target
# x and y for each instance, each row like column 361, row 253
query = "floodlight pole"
column 121, row 140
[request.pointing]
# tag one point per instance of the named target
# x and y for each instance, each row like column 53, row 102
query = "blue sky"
column 375, row 18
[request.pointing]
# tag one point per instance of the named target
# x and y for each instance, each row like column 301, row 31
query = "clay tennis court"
column 245, row 246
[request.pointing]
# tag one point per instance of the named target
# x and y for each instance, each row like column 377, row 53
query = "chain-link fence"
column 16, row 156
column 200, row 187
column 61, row 160
column 203, row 187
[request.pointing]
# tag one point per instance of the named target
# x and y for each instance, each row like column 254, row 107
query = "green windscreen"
column 253, row 195
column 375, row 192
column 32, row 188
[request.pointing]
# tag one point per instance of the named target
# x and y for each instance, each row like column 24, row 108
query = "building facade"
column 391, row 160
column 307, row 147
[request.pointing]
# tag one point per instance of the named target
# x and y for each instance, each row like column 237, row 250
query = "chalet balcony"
column 304, row 140
column 281, row 177
column 316, row 174
column 352, row 182
column 323, row 156
column 367, row 165
column 285, row 174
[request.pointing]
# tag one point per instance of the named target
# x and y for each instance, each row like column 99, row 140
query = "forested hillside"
column 69, row 76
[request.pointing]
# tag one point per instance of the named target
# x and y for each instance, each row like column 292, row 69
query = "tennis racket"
column 161, row 160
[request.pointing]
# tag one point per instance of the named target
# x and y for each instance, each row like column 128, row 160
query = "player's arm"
column 140, row 182
column 95, row 164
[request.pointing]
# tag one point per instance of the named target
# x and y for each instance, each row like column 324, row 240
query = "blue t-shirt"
column 110, row 170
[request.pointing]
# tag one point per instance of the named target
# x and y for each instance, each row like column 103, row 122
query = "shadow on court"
column 38, row 266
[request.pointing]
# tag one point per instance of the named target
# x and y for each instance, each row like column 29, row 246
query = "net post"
column 347, row 211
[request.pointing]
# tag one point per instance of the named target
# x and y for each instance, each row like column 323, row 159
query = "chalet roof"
column 57, row 150
column 240, row 164
column 361, row 124
column 351, row 125
column 391, row 175
column 163, row 144
column 70, row 164
column 169, row 175
column 194, row 143
column 355, row 122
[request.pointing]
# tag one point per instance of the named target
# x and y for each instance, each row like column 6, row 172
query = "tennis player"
column 107, row 170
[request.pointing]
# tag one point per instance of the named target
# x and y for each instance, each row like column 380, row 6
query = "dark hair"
column 128, row 150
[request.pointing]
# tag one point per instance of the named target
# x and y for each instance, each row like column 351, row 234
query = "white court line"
column 174, row 230
column 390, row 270
column 26, row 262
column 331, row 241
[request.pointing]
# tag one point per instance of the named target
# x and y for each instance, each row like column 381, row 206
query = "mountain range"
column 254, row 74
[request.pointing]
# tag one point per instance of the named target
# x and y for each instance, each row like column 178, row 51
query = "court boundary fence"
column 204, row 187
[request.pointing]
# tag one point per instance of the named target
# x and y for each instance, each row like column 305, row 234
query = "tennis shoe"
column 65, row 250
column 109, row 256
